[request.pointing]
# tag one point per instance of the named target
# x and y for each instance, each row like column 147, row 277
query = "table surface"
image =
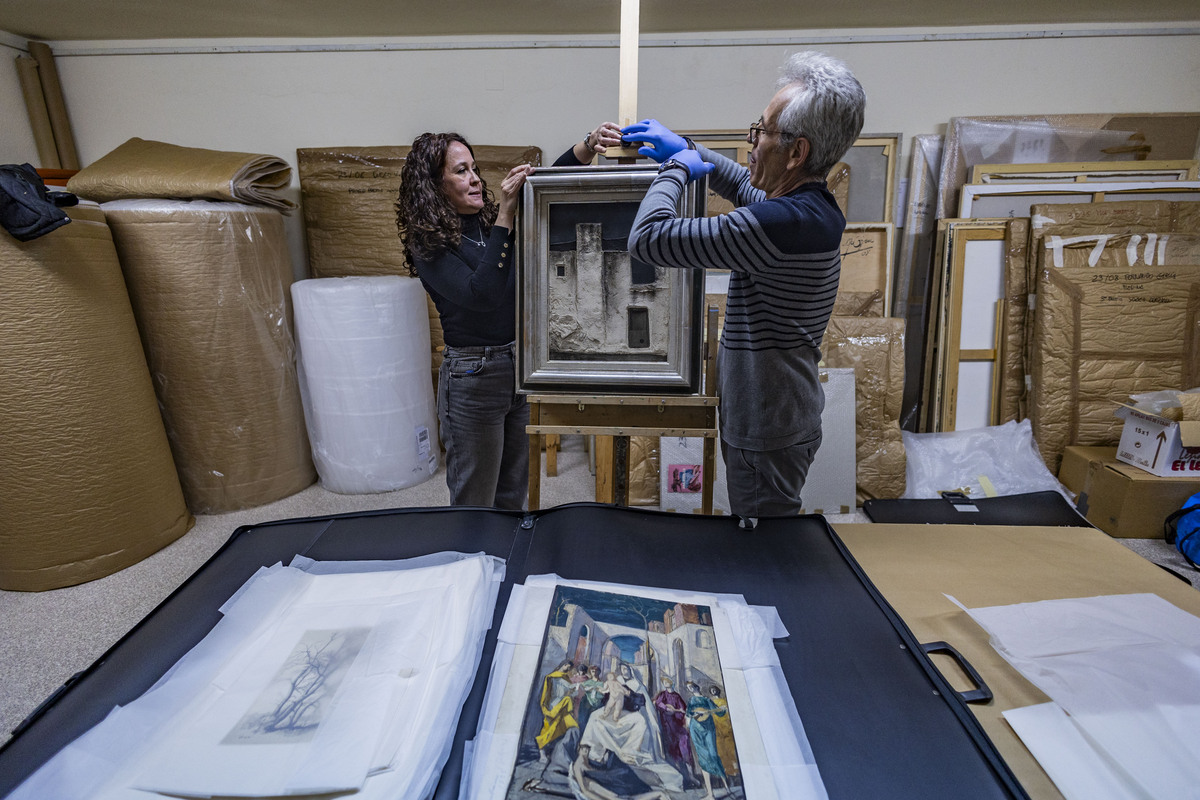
column 853, row 669
column 915, row 566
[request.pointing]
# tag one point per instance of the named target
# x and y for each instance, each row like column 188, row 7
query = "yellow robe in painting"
column 556, row 708
column 725, row 747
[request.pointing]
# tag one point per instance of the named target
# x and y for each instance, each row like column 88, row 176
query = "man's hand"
column 691, row 162
column 659, row 142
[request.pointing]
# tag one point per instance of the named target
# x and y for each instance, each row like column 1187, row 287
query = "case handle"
column 981, row 693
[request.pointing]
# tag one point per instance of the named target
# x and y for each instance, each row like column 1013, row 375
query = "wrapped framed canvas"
column 1086, row 172
column 871, row 162
column 1009, row 200
column 590, row 317
column 865, row 288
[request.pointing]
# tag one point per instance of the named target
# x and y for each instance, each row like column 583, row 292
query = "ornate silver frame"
column 563, row 347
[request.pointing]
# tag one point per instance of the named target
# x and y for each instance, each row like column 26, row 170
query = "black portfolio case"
column 882, row 721
column 1031, row 508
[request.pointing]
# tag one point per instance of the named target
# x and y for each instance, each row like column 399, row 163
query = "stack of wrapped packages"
column 148, row 365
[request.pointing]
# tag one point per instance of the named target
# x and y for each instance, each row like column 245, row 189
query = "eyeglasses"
column 757, row 129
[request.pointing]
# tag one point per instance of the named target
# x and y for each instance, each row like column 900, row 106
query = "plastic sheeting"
column 981, row 462
column 209, row 284
column 914, row 266
column 86, row 474
column 363, row 356
column 1069, row 138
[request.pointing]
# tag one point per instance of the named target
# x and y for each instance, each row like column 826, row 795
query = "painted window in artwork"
column 639, row 327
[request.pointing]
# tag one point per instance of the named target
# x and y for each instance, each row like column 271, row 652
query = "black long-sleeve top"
column 473, row 286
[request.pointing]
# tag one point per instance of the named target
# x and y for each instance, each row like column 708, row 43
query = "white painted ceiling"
column 65, row 20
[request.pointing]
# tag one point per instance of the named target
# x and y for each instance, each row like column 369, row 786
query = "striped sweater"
column 785, row 263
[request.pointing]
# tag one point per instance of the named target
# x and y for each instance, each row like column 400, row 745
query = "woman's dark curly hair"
column 425, row 219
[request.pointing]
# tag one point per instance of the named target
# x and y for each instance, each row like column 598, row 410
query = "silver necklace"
column 480, row 241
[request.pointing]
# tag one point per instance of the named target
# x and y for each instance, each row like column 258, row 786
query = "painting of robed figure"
column 627, row 703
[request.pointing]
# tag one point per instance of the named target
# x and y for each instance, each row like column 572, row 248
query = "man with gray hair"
column 782, row 245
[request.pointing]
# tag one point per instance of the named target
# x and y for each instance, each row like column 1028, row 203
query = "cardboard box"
column 1122, row 500
column 1158, row 445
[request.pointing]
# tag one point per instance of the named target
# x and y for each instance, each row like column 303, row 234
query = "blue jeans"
column 483, row 422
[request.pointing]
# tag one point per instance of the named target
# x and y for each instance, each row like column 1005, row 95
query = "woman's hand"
column 510, row 194
column 606, row 135
column 598, row 140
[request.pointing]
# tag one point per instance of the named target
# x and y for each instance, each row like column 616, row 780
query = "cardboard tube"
column 56, row 106
column 39, row 119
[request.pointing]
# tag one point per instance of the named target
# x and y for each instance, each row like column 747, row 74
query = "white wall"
column 549, row 92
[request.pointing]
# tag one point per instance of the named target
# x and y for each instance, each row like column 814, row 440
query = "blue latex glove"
column 696, row 166
column 659, row 142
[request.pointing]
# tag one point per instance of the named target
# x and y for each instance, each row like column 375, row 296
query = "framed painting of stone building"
column 590, row 317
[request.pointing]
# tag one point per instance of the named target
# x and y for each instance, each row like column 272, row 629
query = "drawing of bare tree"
column 295, row 701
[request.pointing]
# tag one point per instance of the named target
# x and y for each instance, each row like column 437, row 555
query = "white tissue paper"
column 313, row 682
column 1125, row 672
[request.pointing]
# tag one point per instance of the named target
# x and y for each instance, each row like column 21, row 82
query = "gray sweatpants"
column 767, row 483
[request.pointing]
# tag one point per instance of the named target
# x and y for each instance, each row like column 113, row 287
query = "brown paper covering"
column 1106, row 326
column 210, row 288
column 149, row 169
column 56, row 105
column 866, row 271
column 89, row 486
column 39, row 115
column 1012, row 400
column 916, row 566
column 643, row 471
column 874, row 348
column 1189, row 403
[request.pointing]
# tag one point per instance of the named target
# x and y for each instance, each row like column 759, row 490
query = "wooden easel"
column 615, row 418
column 628, row 76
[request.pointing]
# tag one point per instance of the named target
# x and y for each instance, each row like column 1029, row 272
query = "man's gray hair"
column 827, row 108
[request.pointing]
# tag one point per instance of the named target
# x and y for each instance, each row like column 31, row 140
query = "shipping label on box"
column 1158, row 445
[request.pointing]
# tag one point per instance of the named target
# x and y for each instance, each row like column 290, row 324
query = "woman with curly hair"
column 458, row 240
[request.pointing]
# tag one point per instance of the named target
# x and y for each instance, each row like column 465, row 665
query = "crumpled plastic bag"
column 982, row 462
column 1167, row 403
